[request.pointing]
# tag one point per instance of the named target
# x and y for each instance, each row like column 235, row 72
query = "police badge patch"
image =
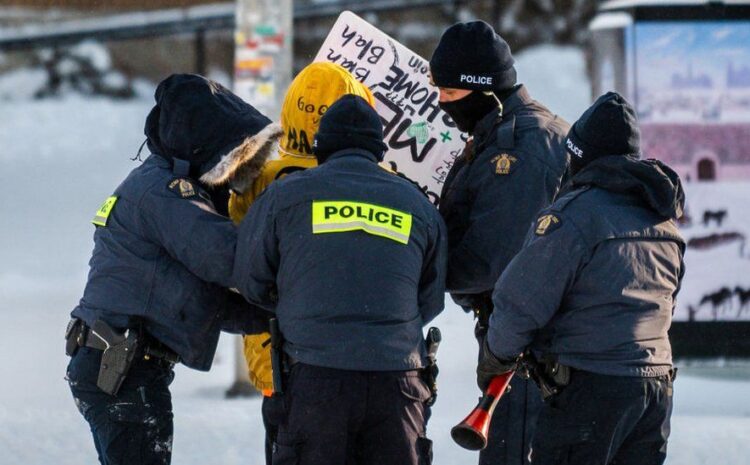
column 183, row 187
column 504, row 163
column 546, row 224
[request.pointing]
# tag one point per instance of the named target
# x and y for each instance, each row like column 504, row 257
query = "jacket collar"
column 484, row 130
column 351, row 153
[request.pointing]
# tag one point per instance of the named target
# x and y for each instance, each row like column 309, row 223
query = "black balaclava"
column 467, row 111
column 608, row 127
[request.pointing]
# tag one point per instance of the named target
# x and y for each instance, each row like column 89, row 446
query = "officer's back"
column 594, row 290
column 352, row 260
column 360, row 269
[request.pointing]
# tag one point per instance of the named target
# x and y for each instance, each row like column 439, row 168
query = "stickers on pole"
column 423, row 141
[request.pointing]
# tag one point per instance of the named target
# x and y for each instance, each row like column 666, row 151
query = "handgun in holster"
column 277, row 356
column 430, row 372
column 118, row 356
column 548, row 374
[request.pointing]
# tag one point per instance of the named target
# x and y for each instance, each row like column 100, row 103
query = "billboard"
column 690, row 81
column 693, row 96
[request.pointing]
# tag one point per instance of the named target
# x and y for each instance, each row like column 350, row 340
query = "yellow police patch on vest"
column 504, row 163
column 546, row 224
column 344, row 216
column 102, row 215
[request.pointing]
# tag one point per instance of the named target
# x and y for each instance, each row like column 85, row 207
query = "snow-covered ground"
column 61, row 158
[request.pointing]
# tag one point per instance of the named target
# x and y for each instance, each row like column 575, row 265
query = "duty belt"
column 78, row 334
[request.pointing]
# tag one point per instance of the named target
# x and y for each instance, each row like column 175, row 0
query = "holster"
column 277, row 357
column 548, row 374
column 118, row 356
column 430, row 372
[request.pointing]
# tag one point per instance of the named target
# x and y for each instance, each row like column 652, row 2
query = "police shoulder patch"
column 102, row 215
column 183, row 187
column 504, row 163
column 547, row 223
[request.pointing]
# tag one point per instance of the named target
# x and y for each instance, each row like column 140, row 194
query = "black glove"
column 491, row 366
column 242, row 317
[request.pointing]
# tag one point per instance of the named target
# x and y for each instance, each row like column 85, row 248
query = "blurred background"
column 76, row 82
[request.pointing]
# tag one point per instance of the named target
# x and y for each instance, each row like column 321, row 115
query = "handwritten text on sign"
column 423, row 141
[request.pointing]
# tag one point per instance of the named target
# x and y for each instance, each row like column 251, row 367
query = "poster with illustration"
column 422, row 140
column 692, row 92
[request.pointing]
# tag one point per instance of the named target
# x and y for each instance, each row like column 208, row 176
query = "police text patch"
column 546, row 224
column 344, row 216
column 102, row 215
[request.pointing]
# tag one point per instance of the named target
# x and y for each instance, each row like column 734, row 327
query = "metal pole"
column 200, row 52
column 262, row 73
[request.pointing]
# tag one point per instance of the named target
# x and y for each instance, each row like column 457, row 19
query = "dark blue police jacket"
column 163, row 259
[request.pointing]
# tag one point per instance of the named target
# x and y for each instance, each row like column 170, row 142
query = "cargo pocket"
column 414, row 389
column 424, row 450
column 285, row 450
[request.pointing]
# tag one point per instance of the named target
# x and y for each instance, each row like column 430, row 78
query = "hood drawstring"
column 138, row 155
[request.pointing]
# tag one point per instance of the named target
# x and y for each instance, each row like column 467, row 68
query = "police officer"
column 310, row 94
column 351, row 259
column 593, row 292
column 162, row 260
column 511, row 168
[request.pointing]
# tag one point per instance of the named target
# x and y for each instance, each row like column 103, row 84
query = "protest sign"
column 423, row 141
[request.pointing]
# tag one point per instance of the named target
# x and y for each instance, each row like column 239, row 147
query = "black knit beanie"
column 608, row 127
column 472, row 56
column 350, row 123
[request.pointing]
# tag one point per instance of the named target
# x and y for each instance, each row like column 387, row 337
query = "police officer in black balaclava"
column 512, row 167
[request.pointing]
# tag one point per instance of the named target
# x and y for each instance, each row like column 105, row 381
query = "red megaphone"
column 472, row 432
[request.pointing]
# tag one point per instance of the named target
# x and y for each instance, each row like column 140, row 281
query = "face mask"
column 467, row 111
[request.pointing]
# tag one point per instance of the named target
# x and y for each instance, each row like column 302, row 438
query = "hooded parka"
column 596, row 281
column 163, row 256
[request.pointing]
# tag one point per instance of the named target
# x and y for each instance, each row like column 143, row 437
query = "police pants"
column 601, row 420
column 513, row 422
column 337, row 417
column 133, row 427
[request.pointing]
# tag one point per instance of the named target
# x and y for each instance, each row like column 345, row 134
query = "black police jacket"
column 351, row 258
column 596, row 282
column 162, row 261
column 495, row 189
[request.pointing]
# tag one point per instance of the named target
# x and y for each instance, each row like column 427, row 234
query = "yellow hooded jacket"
column 314, row 89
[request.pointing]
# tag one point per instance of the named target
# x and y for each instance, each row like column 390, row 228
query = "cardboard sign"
column 423, row 141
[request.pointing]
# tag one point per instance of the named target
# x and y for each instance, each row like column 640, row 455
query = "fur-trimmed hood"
column 201, row 122
column 243, row 164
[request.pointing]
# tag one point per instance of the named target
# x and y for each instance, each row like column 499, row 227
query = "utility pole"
column 262, row 73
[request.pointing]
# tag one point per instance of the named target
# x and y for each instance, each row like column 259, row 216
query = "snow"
column 610, row 21
column 568, row 93
column 62, row 157
column 95, row 52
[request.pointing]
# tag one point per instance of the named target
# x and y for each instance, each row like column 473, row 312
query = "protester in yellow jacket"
column 310, row 94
